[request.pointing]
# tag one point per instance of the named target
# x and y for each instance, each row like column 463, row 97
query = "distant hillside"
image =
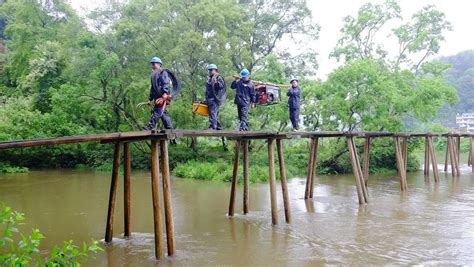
column 461, row 76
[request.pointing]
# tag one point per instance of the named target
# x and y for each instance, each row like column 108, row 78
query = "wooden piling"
column 310, row 168
column 246, row 175
column 126, row 189
column 472, row 154
column 361, row 174
column 400, row 163
column 271, row 169
column 458, row 151
column 446, row 157
column 427, row 159
column 469, row 158
column 284, row 185
column 458, row 155
column 157, row 220
column 165, row 174
column 405, row 153
column 451, row 155
column 313, row 168
column 454, row 157
column 352, row 154
column 234, row 178
column 367, row 145
column 434, row 163
column 113, row 190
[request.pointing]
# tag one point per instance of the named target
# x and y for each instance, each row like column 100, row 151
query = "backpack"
column 176, row 88
column 221, row 97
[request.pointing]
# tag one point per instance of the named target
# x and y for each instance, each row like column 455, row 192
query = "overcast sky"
column 329, row 13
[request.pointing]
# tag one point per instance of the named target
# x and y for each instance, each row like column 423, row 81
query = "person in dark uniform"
column 215, row 96
column 294, row 95
column 244, row 97
column 159, row 95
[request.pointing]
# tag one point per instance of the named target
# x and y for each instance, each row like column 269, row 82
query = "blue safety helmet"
column 211, row 67
column 244, row 73
column 156, row 60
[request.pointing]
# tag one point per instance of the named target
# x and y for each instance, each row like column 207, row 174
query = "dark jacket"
column 160, row 84
column 245, row 94
column 219, row 88
column 294, row 98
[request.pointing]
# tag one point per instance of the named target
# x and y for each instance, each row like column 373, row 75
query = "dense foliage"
column 66, row 75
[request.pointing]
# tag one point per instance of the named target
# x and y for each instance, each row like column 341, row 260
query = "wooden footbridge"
column 160, row 162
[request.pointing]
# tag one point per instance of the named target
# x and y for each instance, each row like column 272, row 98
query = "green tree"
column 263, row 23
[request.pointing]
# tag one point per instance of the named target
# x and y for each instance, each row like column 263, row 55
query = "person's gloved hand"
column 165, row 98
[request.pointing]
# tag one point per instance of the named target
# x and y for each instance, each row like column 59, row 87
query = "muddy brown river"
column 431, row 224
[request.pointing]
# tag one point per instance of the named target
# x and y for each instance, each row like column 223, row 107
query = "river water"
column 431, row 224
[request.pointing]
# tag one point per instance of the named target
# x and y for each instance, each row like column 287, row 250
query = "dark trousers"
column 213, row 114
column 295, row 117
column 243, row 117
column 157, row 114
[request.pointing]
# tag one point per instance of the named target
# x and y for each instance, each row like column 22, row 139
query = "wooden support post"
column 246, row 175
column 113, row 190
column 355, row 170
column 157, row 220
column 451, row 155
column 310, row 168
column 234, row 178
column 127, row 166
column 400, row 164
column 434, row 163
column 472, row 154
column 454, row 158
column 446, row 157
column 284, row 185
column 469, row 158
column 458, row 152
column 271, row 169
column 405, row 153
column 367, row 145
column 427, row 159
column 165, row 174
column 313, row 167
column 361, row 174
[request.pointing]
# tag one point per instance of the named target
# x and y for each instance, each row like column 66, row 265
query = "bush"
column 17, row 249
column 7, row 168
